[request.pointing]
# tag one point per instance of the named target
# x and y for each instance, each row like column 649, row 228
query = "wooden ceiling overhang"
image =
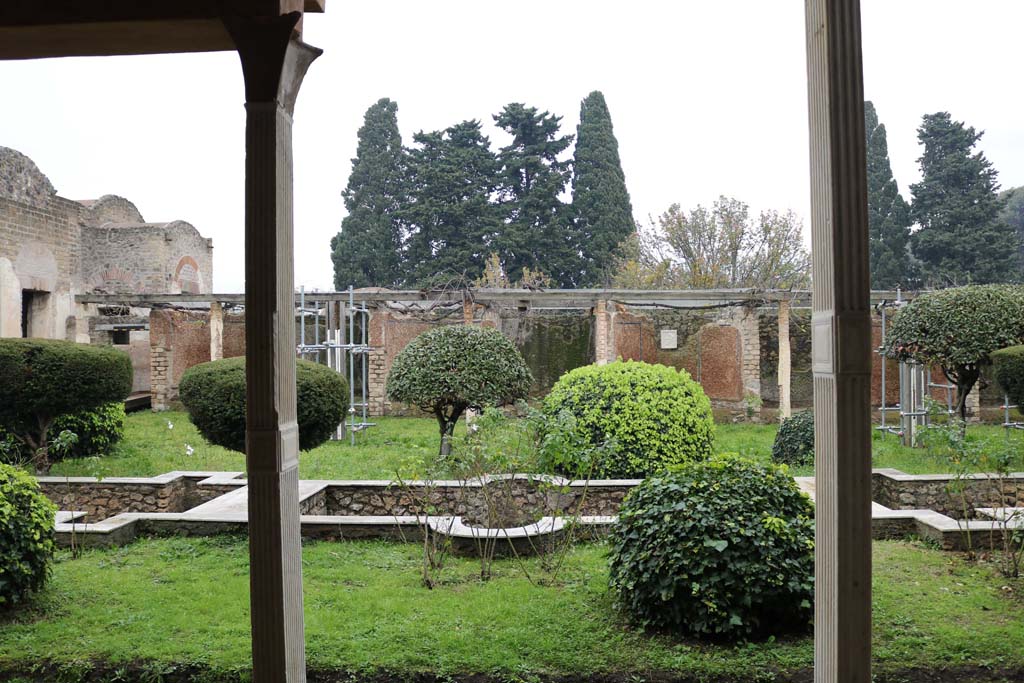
column 35, row 29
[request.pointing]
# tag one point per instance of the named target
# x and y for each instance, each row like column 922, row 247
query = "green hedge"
column 722, row 548
column 1008, row 371
column 794, row 442
column 42, row 379
column 26, row 536
column 214, row 395
column 654, row 416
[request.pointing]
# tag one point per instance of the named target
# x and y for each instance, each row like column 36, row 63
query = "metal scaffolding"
column 344, row 348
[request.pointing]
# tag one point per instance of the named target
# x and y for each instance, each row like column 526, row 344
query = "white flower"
column 170, row 425
column 189, row 450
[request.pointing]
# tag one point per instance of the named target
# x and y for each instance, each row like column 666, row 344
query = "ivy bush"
column 42, row 379
column 448, row 369
column 26, row 536
column 720, row 549
column 794, row 442
column 652, row 415
column 1008, row 370
column 957, row 329
column 214, row 395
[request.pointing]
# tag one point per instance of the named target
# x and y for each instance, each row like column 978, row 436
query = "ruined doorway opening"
column 33, row 304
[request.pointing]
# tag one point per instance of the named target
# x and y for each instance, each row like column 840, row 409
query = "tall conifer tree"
column 366, row 251
column 888, row 213
column 962, row 237
column 600, row 201
column 452, row 176
column 537, row 232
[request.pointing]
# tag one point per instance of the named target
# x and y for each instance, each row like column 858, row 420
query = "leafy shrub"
column 42, row 379
column 794, row 442
column 722, row 548
column 448, row 369
column 97, row 430
column 26, row 536
column 654, row 415
column 214, row 395
column 1008, row 370
column 957, row 329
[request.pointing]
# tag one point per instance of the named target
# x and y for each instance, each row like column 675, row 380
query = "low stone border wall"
column 115, row 511
column 900, row 491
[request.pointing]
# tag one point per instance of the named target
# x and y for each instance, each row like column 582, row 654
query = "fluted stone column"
column 841, row 343
column 274, row 63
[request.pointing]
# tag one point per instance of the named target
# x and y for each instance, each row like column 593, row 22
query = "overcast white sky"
column 707, row 98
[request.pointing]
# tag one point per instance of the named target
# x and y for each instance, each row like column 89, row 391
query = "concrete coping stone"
column 456, row 528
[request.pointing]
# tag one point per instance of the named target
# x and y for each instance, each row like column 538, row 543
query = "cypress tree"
column 600, row 201
column 537, row 232
column 452, row 175
column 1013, row 215
column 888, row 213
column 366, row 251
column 962, row 237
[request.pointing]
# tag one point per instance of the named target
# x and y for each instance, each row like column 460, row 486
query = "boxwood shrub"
column 214, row 395
column 653, row 416
column 794, row 442
column 720, row 549
column 42, row 379
column 1008, row 370
column 26, row 536
column 97, row 430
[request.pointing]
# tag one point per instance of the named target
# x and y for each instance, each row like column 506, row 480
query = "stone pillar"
column 746, row 321
column 841, row 343
column 973, row 404
column 273, row 64
column 785, row 363
column 216, row 331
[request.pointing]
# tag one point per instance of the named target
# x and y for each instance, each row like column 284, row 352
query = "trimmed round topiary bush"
column 957, row 329
column 1008, row 371
column 42, row 379
column 214, row 395
column 794, row 442
column 721, row 549
column 448, row 369
column 97, row 430
column 26, row 536
column 655, row 415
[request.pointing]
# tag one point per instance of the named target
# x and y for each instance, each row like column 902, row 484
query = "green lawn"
column 151, row 446
column 185, row 601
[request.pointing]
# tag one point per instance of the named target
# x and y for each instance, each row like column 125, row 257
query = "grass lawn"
column 185, row 601
column 151, row 446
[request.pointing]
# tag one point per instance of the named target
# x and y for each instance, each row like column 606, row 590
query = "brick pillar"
column 216, row 331
column 377, row 362
column 160, row 346
column 973, row 404
column 604, row 332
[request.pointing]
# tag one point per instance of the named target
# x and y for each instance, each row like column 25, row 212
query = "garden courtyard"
column 176, row 608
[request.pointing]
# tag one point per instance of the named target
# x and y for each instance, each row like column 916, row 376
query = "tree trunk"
column 446, row 422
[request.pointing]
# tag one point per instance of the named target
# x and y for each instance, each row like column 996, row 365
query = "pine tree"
column 962, row 238
column 600, row 201
column 451, row 179
column 537, row 232
column 888, row 213
column 366, row 251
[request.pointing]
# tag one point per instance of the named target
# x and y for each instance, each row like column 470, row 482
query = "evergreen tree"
column 1013, row 215
column 366, row 251
column 449, row 216
column 537, row 232
column 888, row 213
column 600, row 201
column 962, row 238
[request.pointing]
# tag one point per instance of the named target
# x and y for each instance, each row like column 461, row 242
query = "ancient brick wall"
column 178, row 340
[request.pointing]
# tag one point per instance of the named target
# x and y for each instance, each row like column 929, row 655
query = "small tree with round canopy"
column 42, row 379
column 449, row 369
column 957, row 329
